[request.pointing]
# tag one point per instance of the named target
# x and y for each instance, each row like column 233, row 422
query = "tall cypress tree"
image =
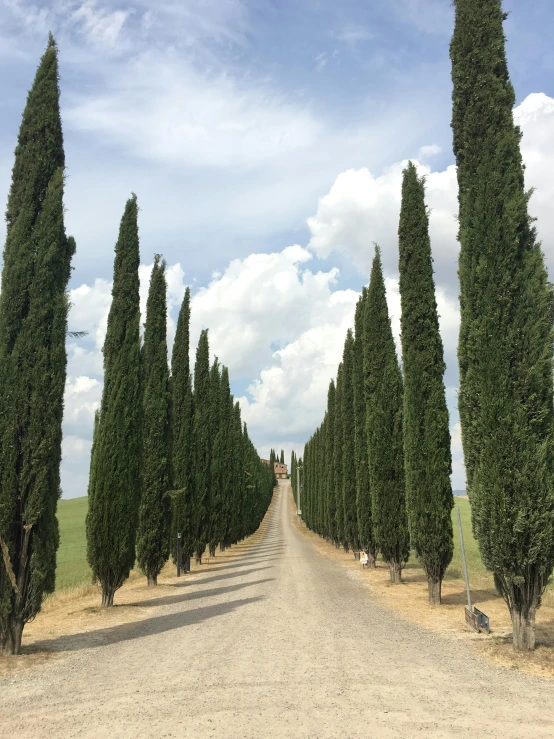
column 282, row 456
column 330, row 443
column 383, row 383
column 505, row 344
column 338, row 458
column 363, row 494
column 182, row 439
column 155, row 510
column 114, row 485
column 351, row 539
column 33, row 324
column 202, row 440
column 221, row 469
column 214, row 506
column 427, row 456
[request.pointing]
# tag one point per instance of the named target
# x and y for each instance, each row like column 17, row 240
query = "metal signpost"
column 475, row 618
column 178, row 555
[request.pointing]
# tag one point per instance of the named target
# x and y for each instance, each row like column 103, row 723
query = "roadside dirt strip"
column 277, row 641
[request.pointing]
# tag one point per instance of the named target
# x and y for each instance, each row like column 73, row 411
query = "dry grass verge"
column 78, row 610
column 409, row 600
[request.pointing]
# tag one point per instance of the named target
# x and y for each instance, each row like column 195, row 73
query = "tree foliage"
column 427, row 452
column 155, row 510
column 505, row 343
column 33, row 325
column 114, row 484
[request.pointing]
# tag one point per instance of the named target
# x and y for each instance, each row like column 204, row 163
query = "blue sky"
column 233, row 121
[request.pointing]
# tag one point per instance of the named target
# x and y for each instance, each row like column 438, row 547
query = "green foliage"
column 338, row 457
column 203, row 443
column 351, row 539
column 363, row 492
column 33, row 325
column 182, row 439
column 384, row 392
column 505, row 345
column 155, row 510
column 330, row 469
column 222, row 467
column 114, row 485
column 427, row 452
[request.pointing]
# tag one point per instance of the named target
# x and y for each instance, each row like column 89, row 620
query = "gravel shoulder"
column 275, row 640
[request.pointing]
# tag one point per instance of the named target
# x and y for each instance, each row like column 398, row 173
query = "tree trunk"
column 198, row 560
column 395, row 572
column 371, row 560
column 152, row 580
column 212, row 551
column 107, row 597
column 12, row 642
column 222, row 547
column 523, row 629
column 434, row 589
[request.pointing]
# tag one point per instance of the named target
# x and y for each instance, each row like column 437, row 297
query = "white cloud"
column 262, row 301
column 100, row 26
column 362, row 207
column 161, row 108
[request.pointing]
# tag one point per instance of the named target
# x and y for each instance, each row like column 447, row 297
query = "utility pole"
column 298, row 508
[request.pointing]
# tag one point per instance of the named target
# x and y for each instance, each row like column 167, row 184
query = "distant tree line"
column 169, row 456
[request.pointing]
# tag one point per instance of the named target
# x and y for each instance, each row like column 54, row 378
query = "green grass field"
column 476, row 568
column 73, row 569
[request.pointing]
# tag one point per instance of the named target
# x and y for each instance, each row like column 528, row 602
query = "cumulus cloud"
column 259, row 303
column 362, row 207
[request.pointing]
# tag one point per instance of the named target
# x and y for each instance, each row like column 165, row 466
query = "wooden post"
column 178, row 555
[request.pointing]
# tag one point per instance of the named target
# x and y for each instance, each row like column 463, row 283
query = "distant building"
column 265, row 461
column 281, row 471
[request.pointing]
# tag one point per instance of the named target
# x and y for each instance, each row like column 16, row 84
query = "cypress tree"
column 282, row 456
column 221, row 469
column 155, row 510
column 33, row 324
column 338, row 459
column 114, row 485
column 331, row 469
column 427, row 455
column 202, row 409
column 351, row 540
column 383, row 383
column 363, row 494
column 505, row 343
column 182, row 439
column 239, row 477
column 214, row 505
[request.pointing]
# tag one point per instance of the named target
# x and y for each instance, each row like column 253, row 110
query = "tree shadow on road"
column 216, row 578
column 167, row 600
column 138, row 629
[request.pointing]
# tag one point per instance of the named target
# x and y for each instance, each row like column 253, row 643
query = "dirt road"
column 278, row 641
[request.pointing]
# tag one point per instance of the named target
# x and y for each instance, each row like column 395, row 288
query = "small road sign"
column 482, row 620
column 471, row 620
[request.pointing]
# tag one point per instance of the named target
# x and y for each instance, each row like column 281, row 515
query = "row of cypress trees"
column 146, row 431
column 170, row 456
column 376, row 473
column 505, row 343
column 505, row 362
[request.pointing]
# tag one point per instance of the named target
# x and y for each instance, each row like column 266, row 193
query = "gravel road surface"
column 278, row 641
